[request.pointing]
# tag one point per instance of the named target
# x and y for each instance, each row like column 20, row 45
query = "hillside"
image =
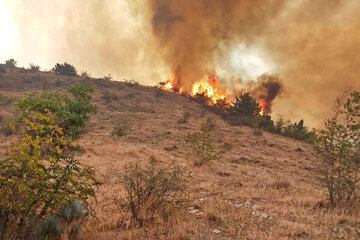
column 264, row 188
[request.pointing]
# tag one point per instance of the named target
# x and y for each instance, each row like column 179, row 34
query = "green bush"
column 71, row 112
column 338, row 146
column 203, row 147
column 297, row 131
column 245, row 105
column 41, row 174
column 148, row 190
column 64, row 69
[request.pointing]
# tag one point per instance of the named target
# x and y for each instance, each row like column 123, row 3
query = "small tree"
column 338, row 145
column 10, row 63
column 42, row 174
column 245, row 105
column 64, row 69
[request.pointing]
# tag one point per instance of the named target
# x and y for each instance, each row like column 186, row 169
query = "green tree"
column 64, row 69
column 245, row 105
column 338, row 146
column 41, row 174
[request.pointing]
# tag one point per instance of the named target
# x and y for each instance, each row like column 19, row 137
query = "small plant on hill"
column 108, row 97
column 338, row 146
column 11, row 63
column 148, row 190
column 185, row 117
column 122, row 126
column 203, row 147
column 64, row 69
column 296, row 130
column 34, row 68
column 41, row 174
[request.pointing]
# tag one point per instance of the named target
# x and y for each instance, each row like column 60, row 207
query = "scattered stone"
column 195, row 211
column 216, row 231
column 299, row 150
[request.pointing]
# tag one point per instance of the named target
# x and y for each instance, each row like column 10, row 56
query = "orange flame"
column 262, row 105
column 207, row 86
column 171, row 84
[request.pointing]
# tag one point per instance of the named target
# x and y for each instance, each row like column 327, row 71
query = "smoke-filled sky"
column 313, row 47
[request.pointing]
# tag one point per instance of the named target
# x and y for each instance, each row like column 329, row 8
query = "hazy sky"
column 312, row 46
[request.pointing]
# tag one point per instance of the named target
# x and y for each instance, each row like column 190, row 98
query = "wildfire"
column 207, row 86
column 172, row 84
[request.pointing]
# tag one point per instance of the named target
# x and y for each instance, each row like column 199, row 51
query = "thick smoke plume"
column 311, row 45
column 265, row 90
column 190, row 32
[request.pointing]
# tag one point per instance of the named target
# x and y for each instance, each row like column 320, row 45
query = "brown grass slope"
column 264, row 188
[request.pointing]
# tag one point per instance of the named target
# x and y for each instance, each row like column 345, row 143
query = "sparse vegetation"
column 34, row 68
column 185, row 117
column 65, row 69
column 2, row 68
column 108, row 97
column 202, row 145
column 41, row 173
column 338, row 146
column 11, row 63
column 122, row 126
column 148, row 190
column 108, row 77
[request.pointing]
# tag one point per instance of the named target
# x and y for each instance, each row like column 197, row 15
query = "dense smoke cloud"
column 311, row 45
column 265, row 89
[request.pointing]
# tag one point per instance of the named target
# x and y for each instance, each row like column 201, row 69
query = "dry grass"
column 262, row 189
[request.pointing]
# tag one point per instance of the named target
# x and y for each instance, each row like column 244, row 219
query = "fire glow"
column 207, row 87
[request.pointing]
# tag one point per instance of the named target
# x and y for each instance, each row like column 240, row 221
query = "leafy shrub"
column 149, row 190
column 34, row 68
column 297, row 131
column 338, row 146
column 41, row 173
column 122, row 126
column 109, row 97
column 64, row 69
column 71, row 112
column 202, row 146
column 10, row 63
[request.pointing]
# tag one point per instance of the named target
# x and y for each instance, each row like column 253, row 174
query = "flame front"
column 209, row 87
